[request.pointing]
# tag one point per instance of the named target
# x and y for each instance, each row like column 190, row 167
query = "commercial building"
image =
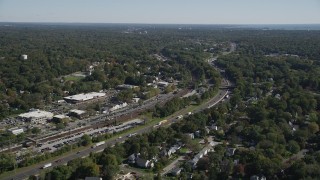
column 78, row 98
column 60, row 117
column 36, row 116
column 114, row 107
column 16, row 130
column 77, row 113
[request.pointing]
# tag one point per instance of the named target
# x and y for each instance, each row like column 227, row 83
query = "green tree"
column 60, row 172
column 86, row 140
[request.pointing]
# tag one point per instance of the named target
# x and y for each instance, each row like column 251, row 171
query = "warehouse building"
column 36, row 116
column 78, row 98
column 77, row 113
column 16, row 130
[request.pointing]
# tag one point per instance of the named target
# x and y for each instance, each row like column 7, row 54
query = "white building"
column 84, row 97
column 135, row 100
column 60, row 117
column 77, row 113
column 24, row 57
column 36, row 116
column 118, row 106
column 163, row 84
column 16, row 130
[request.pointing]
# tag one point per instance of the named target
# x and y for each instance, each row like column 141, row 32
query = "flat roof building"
column 84, row 97
column 16, row 130
column 36, row 116
column 77, row 113
column 60, row 117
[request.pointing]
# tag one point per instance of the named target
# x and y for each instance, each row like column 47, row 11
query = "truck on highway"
column 162, row 122
column 46, row 165
column 180, row 117
column 98, row 144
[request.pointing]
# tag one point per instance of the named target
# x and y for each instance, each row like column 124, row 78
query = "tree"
column 35, row 130
column 86, row 140
column 6, row 162
column 60, row 172
column 313, row 127
column 158, row 177
column 108, row 160
column 293, row 146
column 86, row 170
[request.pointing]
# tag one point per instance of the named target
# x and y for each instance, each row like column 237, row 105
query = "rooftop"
column 85, row 97
column 77, row 111
column 36, row 114
column 60, row 116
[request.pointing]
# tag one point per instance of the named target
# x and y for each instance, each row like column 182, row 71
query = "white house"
column 200, row 155
column 24, row 57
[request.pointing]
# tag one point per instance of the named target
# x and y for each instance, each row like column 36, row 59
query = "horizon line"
column 43, row 22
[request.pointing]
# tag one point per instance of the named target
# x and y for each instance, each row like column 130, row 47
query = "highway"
column 34, row 170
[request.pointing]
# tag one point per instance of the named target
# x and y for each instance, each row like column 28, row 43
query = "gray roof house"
column 144, row 163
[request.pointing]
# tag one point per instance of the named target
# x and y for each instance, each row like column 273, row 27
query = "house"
column 278, row 96
column 143, row 163
column 171, row 151
column 132, row 158
column 200, row 155
column 163, row 153
column 197, row 133
column 191, row 135
column 24, row 57
column 176, row 171
column 135, row 100
column 214, row 127
column 207, row 130
column 213, row 143
column 163, row 84
column 230, row 151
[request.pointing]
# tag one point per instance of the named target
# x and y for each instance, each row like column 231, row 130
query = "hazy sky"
column 163, row 11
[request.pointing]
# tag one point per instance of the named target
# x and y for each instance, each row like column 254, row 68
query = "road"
column 26, row 172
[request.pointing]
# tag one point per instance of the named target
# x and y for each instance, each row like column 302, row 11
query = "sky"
column 162, row 11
